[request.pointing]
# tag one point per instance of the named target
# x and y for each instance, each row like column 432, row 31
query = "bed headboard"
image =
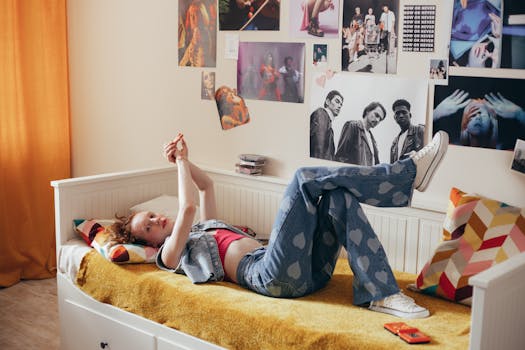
column 409, row 235
column 241, row 199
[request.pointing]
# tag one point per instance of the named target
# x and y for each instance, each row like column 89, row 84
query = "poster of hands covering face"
column 365, row 119
column 481, row 112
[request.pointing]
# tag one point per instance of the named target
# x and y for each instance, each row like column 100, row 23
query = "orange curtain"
column 34, row 133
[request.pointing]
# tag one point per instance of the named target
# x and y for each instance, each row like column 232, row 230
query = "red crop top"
column 224, row 238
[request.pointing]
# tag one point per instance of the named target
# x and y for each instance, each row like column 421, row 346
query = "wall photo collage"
column 476, row 110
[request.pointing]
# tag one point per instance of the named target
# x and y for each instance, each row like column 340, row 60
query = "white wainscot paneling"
column 408, row 237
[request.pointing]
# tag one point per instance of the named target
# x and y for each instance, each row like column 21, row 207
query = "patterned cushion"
column 97, row 233
column 478, row 233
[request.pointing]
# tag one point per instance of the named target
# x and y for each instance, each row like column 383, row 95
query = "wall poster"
column 325, row 15
column 272, row 71
column 488, row 34
column 197, row 33
column 369, row 38
column 366, row 119
column 207, row 85
column 518, row 160
column 419, row 24
column 481, row 112
column 249, row 14
column 233, row 111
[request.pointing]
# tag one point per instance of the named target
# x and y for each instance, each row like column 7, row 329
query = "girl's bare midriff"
column 234, row 254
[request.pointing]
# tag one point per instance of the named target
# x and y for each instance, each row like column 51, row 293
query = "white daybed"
column 409, row 236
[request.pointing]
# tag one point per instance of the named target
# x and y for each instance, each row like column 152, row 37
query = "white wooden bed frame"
column 409, row 236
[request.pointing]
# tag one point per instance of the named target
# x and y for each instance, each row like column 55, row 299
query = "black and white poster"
column 366, row 119
column 369, row 36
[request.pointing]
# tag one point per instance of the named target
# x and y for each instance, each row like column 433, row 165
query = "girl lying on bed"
column 319, row 213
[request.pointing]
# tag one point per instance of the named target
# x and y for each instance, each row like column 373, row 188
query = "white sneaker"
column 428, row 158
column 399, row 305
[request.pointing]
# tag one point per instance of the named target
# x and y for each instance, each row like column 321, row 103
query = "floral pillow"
column 97, row 233
column 478, row 233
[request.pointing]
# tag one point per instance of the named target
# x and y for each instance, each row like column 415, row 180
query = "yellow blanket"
column 228, row 315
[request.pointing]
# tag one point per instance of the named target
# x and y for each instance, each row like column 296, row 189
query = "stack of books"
column 250, row 164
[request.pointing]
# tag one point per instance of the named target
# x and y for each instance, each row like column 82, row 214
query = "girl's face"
column 151, row 227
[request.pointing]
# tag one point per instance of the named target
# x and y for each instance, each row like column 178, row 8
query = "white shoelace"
column 401, row 302
column 423, row 152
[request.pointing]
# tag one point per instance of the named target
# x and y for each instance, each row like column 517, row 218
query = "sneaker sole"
column 435, row 162
column 401, row 314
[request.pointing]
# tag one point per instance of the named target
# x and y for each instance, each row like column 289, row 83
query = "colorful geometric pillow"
column 478, row 233
column 97, row 233
column 88, row 229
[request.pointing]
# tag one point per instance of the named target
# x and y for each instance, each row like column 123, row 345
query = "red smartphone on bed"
column 396, row 327
column 408, row 333
column 414, row 337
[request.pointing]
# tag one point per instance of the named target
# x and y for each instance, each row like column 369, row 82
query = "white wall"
column 128, row 96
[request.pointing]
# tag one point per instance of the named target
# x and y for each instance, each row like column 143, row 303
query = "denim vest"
column 200, row 259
